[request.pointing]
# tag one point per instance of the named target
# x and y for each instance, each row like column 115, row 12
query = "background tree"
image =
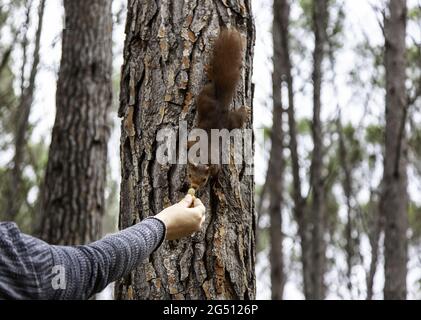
column 299, row 202
column 166, row 49
column 302, row 206
column 320, row 23
column 17, row 92
column 394, row 200
column 14, row 200
column 275, row 174
column 73, row 191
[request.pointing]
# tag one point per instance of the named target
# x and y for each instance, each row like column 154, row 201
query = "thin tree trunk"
column 73, row 191
column 376, row 227
column 347, row 187
column 299, row 201
column 276, row 163
column 167, row 46
column 14, row 201
column 320, row 19
column 4, row 62
column 394, row 200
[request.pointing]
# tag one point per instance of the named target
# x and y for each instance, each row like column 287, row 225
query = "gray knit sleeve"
column 79, row 272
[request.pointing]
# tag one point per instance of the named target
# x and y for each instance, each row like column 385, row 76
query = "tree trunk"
column 375, row 228
column 299, row 201
column 14, row 192
column 347, row 187
column 320, row 19
column 276, row 162
column 167, row 46
column 394, row 200
column 73, row 192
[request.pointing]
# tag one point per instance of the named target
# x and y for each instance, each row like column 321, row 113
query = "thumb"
column 187, row 201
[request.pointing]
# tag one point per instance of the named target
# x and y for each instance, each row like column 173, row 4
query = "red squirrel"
column 215, row 98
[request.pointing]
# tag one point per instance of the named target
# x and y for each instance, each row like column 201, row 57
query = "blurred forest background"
column 326, row 222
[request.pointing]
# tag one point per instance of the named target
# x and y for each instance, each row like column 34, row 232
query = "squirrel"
column 215, row 98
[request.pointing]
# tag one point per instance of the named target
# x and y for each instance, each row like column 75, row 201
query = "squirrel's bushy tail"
column 225, row 66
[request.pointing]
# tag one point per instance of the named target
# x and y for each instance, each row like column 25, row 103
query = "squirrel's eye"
column 204, row 179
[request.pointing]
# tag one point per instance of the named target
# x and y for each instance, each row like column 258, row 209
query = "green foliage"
column 336, row 25
column 353, row 145
column 335, row 21
column 304, row 126
column 371, row 60
column 332, row 209
column 307, row 9
column 414, row 13
column 263, row 239
column 413, row 55
column 267, row 132
column 258, row 189
column 374, row 134
column 415, row 141
column 414, row 215
column 34, row 165
column 7, row 102
column 3, row 14
column 413, row 69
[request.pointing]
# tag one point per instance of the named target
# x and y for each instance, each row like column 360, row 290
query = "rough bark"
column 276, row 162
column 320, row 19
column 167, row 46
column 14, row 191
column 73, row 191
column 394, row 200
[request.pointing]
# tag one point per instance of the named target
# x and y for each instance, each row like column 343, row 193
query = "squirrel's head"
column 198, row 175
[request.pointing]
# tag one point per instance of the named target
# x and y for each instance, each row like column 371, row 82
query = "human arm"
column 27, row 263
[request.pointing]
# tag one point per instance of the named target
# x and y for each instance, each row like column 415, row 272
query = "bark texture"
column 394, row 200
column 276, row 162
column 73, row 191
column 320, row 20
column 167, row 46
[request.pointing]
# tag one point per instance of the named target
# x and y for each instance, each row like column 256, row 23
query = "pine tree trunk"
column 394, row 201
column 167, row 46
column 276, row 163
column 320, row 18
column 73, row 192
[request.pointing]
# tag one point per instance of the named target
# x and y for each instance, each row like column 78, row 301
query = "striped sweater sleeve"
column 33, row 269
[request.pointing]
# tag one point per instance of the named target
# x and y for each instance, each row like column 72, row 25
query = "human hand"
column 181, row 220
